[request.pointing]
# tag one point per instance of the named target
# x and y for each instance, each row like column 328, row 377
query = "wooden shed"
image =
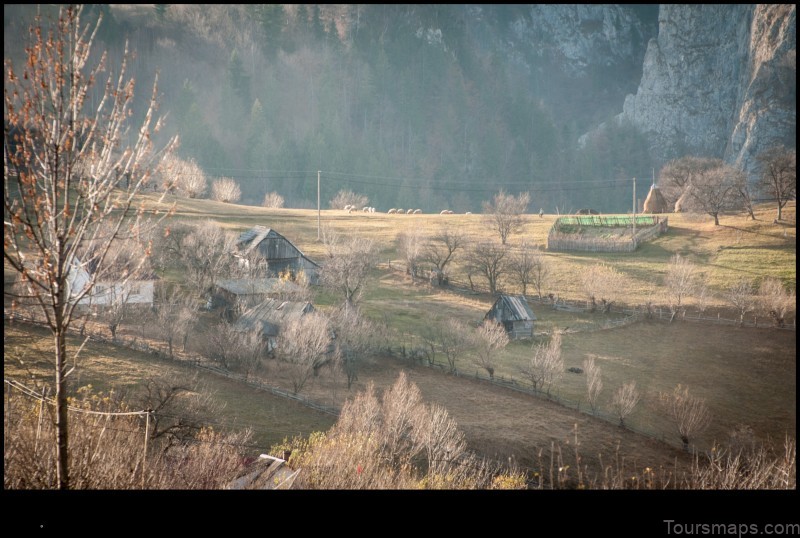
column 281, row 255
column 515, row 314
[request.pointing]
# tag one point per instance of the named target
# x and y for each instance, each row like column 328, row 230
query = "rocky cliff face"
column 718, row 81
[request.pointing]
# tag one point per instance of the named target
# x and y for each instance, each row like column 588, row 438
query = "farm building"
column 266, row 319
column 136, row 290
column 515, row 314
column 280, row 254
column 655, row 202
column 230, row 294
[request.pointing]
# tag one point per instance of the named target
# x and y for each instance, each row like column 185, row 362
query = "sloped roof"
column 250, row 239
column 516, row 308
column 258, row 286
column 271, row 314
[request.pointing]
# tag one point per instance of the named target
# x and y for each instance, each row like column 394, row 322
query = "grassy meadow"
column 746, row 375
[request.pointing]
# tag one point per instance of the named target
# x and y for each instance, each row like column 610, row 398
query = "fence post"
column 146, row 435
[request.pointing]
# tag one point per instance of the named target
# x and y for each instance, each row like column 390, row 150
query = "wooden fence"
column 562, row 236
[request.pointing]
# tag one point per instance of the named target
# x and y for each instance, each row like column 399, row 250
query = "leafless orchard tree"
column 356, row 336
column 488, row 258
column 225, row 344
column 489, row 339
column 602, row 284
column 303, row 345
column 689, row 413
column 183, row 177
column 681, row 282
column 778, row 177
column 345, row 197
column 776, row 301
column 273, row 200
column 347, row 265
column 546, row 364
column 453, row 338
column 715, row 190
column 174, row 317
column 741, row 295
column 207, row 256
column 594, row 381
column 676, row 176
column 410, row 246
column 226, row 190
column 192, row 181
column 624, row 400
column 506, row 213
column 529, row 266
column 392, row 442
column 441, row 248
column 67, row 167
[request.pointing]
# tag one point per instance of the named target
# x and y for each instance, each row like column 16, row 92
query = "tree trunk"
column 62, row 454
column 780, row 210
column 716, row 219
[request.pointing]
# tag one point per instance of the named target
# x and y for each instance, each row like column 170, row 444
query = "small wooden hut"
column 514, row 313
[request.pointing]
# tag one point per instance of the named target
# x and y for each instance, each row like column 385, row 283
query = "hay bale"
column 655, row 202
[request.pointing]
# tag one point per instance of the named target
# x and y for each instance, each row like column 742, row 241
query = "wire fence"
column 565, row 234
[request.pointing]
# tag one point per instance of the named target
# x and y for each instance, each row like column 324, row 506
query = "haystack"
column 655, row 202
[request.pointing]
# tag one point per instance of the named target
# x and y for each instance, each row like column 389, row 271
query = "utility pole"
column 634, row 208
column 318, row 210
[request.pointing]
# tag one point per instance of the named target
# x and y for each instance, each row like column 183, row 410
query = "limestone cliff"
column 718, row 81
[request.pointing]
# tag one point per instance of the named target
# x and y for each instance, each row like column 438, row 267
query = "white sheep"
column 400, row 211
column 409, row 211
column 417, row 211
column 392, row 211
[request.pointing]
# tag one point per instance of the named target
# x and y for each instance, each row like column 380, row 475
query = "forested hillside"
column 429, row 106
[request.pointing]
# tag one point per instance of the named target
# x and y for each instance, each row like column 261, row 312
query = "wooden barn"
column 515, row 315
column 280, row 254
column 265, row 319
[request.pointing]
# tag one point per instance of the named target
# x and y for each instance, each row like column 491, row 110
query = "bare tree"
column 681, row 282
column 490, row 338
column 226, row 190
column 715, row 190
column 624, row 400
column 676, row 176
column 346, row 198
column 173, row 316
column 441, row 248
column 184, row 177
column 745, row 191
column 304, row 345
column 207, row 255
column 530, row 267
column 347, row 265
column 690, row 413
column 506, row 213
column 740, row 295
column 273, row 200
column 776, row 301
column 778, row 177
column 225, row 344
column 67, row 166
column 410, row 247
column 594, row 381
column 453, row 337
column 488, row 259
column 546, row 364
column 356, row 336
column 602, row 284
